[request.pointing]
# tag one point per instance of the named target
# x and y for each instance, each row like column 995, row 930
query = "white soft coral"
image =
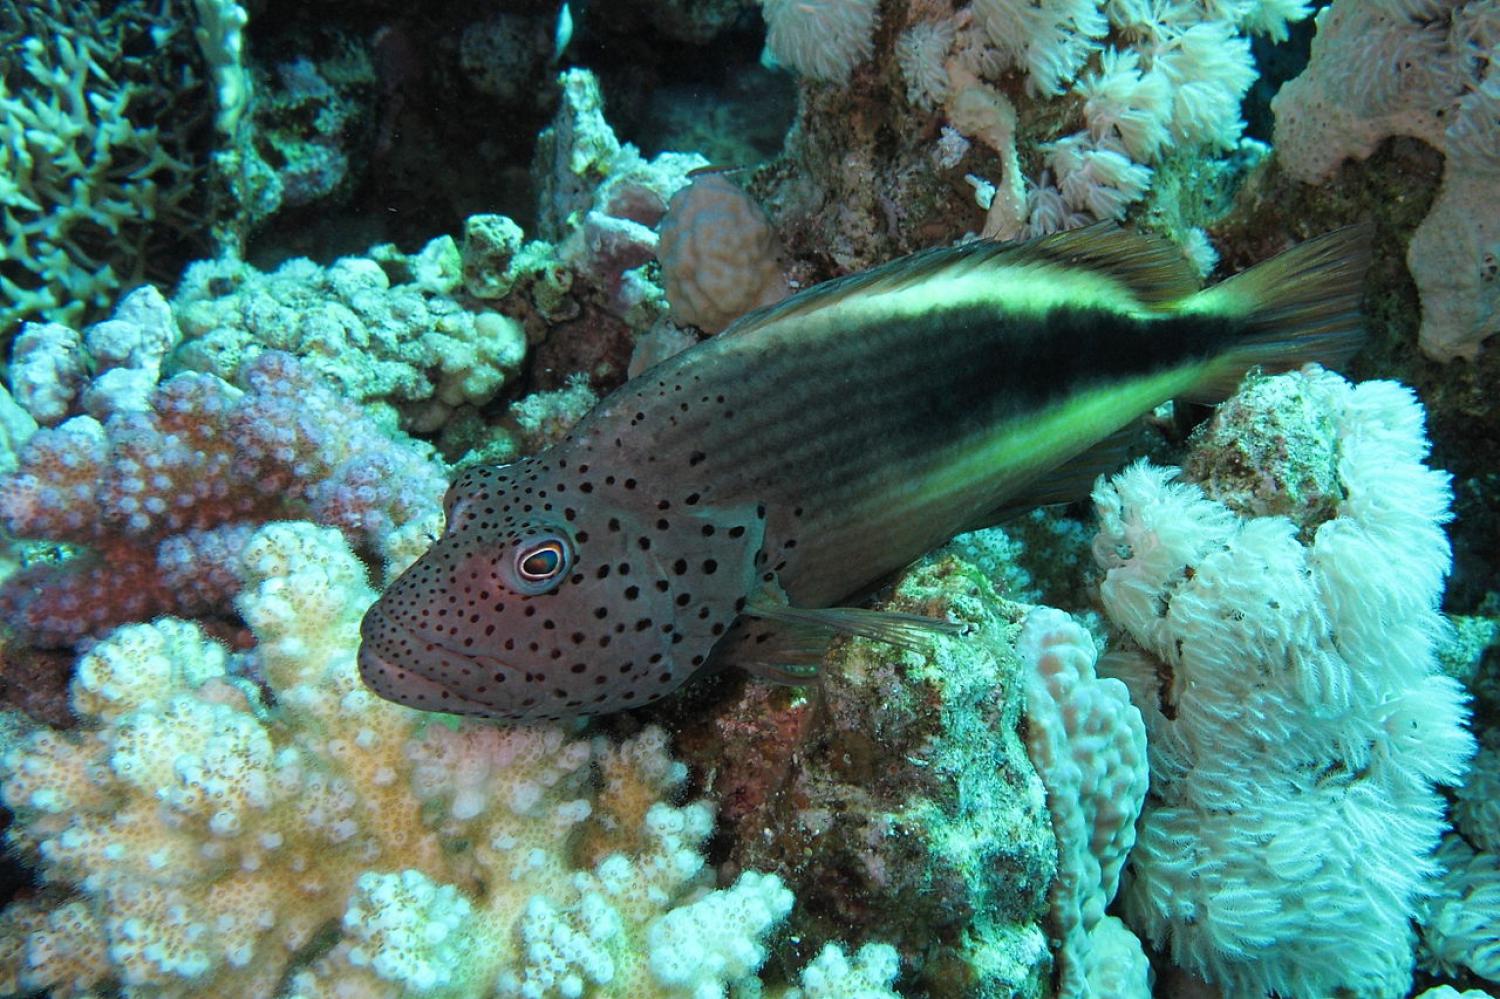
column 1094, row 177
column 1127, row 105
column 1050, row 39
column 823, row 39
column 1411, row 67
column 1297, row 720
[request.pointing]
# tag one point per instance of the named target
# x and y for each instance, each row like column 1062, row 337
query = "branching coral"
column 831, row 975
column 208, row 838
column 163, row 499
column 220, row 36
column 96, row 111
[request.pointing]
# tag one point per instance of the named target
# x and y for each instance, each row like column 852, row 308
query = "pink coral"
column 1088, row 743
column 164, row 500
column 720, row 258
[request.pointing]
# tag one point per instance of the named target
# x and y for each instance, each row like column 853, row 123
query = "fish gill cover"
column 1198, row 734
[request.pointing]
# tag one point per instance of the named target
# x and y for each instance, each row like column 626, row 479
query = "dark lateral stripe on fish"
column 954, row 373
column 958, row 378
column 993, row 331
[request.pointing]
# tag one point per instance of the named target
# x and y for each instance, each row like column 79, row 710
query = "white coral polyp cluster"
column 1050, row 39
column 823, row 39
column 1153, row 76
column 831, row 975
column 1460, row 930
column 406, row 929
column 1094, row 178
column 1430, row 70
column 206, row 836
column 920, row 52
column 1298, row 723
column 716, row 939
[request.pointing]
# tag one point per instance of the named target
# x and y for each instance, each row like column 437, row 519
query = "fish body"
column 709, row 505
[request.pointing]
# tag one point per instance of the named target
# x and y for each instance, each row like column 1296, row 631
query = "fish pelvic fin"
column 779, row 643
column 1302, row 306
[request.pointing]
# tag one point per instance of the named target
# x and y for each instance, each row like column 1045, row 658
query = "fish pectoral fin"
column 784, row 644
column 776, row 652
column 909, row 631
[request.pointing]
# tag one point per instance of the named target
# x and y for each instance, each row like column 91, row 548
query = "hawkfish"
column 727, row 504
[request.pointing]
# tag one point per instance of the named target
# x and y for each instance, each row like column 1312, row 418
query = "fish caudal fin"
column 1299, row 307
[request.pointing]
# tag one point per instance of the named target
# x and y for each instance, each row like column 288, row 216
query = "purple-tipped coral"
column 164, row 499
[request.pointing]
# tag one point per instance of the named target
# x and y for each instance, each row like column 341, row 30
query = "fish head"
column 550, row 596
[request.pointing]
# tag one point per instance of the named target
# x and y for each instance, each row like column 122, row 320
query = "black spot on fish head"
column 545, row 600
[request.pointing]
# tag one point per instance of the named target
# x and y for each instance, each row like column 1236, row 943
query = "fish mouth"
column 426, row 673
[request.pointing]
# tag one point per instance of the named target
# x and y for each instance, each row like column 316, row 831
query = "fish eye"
column 539, row 563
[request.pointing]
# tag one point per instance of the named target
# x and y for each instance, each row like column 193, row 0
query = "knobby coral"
column 409, row 343
column 719, row 255
column 1388, row 67
column 1088, row 744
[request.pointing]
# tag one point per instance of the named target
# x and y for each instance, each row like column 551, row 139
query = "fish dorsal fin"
column 1149, row 268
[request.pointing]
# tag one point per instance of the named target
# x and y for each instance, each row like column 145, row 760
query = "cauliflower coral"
column 258, row 825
